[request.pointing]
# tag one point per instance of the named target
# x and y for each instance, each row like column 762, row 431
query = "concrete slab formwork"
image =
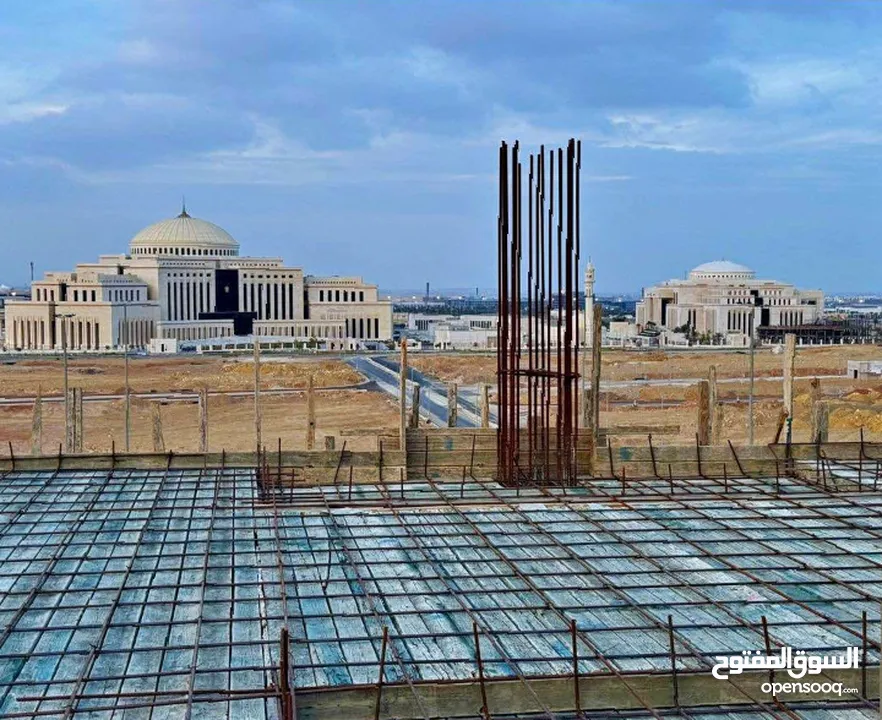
column 127, row 590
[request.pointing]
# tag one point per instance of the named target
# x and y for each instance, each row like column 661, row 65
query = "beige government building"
column 184, row 280
column 725, row 298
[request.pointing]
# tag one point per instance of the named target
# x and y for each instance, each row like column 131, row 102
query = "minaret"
column 589, row 303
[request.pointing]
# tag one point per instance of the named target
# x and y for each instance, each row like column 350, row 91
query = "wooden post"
column 713, row 432
column 703, row 431
column 596, row 361
column 451, row 405
column 815, row 399
column 789, row 362
column 257, row 417
column 415, row 407
column 485, row 405
column 402, row 396
column 37, row 424
column 329, row 442
column 822, row 421
column 590, row 430
column 717, row 424
column 310, row 414
column 203, row 420
column 158, row 440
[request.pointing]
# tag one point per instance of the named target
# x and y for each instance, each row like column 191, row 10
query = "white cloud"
column 28, row 111
column 139, row 52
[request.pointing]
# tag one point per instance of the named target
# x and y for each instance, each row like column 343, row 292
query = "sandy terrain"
column 231, row 420
column 106, row 375
column 231, row 423
column 630, row 365
column 618, row 365
column 359, row 415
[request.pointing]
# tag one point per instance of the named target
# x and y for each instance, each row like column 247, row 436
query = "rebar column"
column 537, row 354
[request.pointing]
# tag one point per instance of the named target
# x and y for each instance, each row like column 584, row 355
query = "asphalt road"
column 433, row 395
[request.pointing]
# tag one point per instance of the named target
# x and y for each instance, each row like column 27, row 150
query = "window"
column 345, row 296
column 337, row 296
column 321, row 295
column 93, row 296
column 76, row 295
column 361, row 295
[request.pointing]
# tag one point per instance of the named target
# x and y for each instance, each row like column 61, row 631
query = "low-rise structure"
column 865, row 369
column 472, row 332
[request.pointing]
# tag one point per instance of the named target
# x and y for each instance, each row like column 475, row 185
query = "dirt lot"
column 231, row 420
column 358, row 415
column 845, row 423
column 618, row 365
column 631, row 365
column 106, row 375
column 231, row 423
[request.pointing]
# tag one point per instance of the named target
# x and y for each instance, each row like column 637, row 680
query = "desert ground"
column 623, row 365
column 348, row 412
column 637, row 404
column 357, row 415
column 106, row 375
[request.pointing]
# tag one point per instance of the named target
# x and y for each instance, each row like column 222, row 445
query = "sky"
column 362, row 137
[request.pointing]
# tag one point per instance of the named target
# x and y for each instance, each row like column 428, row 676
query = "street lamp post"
column 750, row 392
column 64, row 317
column 128, row 407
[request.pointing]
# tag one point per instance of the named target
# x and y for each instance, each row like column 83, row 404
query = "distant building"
column 865, row 369
column 724, row 302
column 8, row 293
column 472, row 332
column 183, row 279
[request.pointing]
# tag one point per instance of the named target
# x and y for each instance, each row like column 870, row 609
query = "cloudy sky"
column 361, row 137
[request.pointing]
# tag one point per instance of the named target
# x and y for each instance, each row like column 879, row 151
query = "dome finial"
column 183, row 207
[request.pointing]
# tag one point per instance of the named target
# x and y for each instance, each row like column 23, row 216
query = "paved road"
column 433, row 395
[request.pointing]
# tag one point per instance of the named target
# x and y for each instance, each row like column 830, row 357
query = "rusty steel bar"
column 576, row 698
column 287, row 694
column 485, row 711
column 382, row 671
column 537, row 356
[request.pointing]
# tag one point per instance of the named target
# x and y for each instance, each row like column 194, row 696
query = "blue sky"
column 361, row 137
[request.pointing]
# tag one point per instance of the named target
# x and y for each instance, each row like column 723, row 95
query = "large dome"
column 184, row 235
column 721, row 270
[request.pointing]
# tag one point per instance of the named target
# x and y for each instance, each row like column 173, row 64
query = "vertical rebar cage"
column 537, row 351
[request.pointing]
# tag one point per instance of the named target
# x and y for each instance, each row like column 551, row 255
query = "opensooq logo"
column 797, row 664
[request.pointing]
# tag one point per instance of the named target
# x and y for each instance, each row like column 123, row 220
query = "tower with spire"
column 589, row 303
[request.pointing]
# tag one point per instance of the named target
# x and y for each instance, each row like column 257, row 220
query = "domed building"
column 183, row 235
column 723, row 302
column 183, row 280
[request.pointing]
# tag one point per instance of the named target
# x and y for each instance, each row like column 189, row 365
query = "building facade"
column 725, row 300
column 184, row 279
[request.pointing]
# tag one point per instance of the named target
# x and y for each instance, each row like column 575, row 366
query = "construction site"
column 371, row 539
